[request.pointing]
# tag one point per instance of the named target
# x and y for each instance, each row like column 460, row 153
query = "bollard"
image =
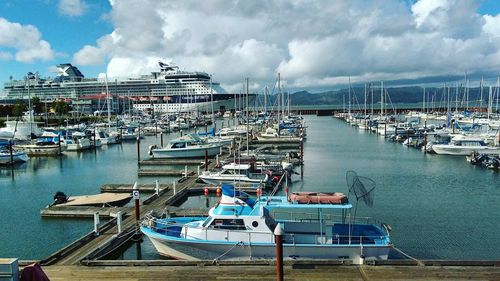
column 206, row 159
column 278, row 237
column 157, row 188
column 119, row 221
column 96, row 223
column 185, row 171
column 174, row 186
column 135, row 194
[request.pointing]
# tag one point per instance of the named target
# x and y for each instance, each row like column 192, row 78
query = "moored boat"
column 242, row 228
column 188, row 146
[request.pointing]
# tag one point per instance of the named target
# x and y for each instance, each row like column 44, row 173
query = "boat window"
column 255, row 224
column 235, row 224
column 179, row 145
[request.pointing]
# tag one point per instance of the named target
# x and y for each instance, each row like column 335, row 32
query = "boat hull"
column 17, row 157
column 209, row 250
column 464, row 150
column 212, row 150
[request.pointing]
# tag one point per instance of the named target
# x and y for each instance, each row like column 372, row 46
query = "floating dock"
column 82, row 211
column 164, row 173
column 173, row 162
column 128, row 188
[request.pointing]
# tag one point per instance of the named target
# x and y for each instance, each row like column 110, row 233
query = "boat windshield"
column 179, row 145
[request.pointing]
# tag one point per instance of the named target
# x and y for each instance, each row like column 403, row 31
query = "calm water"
column 439, row 207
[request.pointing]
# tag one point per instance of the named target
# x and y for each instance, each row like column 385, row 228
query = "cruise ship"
column 169, row 90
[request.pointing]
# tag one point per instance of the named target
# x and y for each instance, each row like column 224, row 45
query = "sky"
column 312, row 44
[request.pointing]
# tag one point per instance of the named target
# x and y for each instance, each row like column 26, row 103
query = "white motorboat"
column 188, row 146
column 78, row 142
column 234, row 173
column 465, row 145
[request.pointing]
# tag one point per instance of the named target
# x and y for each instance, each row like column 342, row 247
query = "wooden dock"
column 173, row 162
column 82, row 211
column 259, row 271
column 127, row 188
column 165, row 173
column 91, row 245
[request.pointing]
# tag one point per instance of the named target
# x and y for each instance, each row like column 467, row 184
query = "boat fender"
column 205, row 191
column 219, row 191
column 151, row 147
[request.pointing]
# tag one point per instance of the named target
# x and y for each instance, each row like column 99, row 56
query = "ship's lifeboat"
column 318, row 198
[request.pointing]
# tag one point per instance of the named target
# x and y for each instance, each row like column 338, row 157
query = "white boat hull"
column 42, row 150
column 212, row 150
column 195, row 250
column 464, row 150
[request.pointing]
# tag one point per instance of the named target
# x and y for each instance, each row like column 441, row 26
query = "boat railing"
column 313, row 217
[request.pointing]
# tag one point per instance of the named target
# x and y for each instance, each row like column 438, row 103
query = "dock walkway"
column 91, row 244
column 263, row 271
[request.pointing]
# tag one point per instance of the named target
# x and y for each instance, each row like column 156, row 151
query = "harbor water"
column 439, row 207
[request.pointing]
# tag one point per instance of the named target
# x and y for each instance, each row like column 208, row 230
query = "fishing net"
column 361, row 187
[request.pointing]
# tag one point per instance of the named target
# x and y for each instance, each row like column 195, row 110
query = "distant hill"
column 412, row 94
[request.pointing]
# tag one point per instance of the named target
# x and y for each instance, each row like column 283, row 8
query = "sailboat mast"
column 365, row 100
column 481, row 94
column 247, row 114
column 381, row 99
column 349, row 101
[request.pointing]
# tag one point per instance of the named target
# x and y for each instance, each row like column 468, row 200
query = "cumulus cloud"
column 72, row 8
column 309, row 42
column 26, row 42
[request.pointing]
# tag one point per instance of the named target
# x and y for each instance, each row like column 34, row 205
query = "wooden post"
column 11, row 154
column 385, row 129
column 425, row 142
column 96, row 223
column 138, row 150
column 206, row 159
column 95, row 144
column 301, row 151
column 161, row 139
column 119, row 221
column 136, row 197
column 278, row 237
column 59, row 144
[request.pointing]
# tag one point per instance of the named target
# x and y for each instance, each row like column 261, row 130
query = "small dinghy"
column 97, row 200
column 318, row 198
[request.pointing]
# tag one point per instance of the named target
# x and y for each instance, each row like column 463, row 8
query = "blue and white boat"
column 241, row 228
